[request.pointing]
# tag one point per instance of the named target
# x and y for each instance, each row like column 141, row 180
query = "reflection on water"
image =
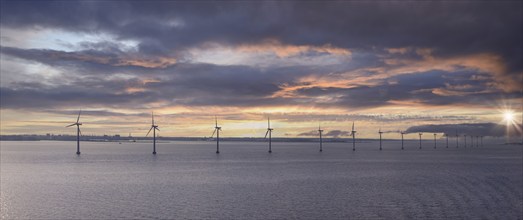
column 188, row 180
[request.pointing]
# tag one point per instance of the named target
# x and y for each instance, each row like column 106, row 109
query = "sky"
column 392, row 66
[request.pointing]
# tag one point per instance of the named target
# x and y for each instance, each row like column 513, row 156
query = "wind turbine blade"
column 157, row 128
column 268, row 122
column 149, row 131
column 70, row 125
column 216, row 120
column 213, row 133
column 78, row 119
column 152, row 118
column 80, row 131
column 266, row 134
column 353, row 126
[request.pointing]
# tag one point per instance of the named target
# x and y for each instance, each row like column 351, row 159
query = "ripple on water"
column 187, row 180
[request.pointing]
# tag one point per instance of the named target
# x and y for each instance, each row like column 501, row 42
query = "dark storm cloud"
column 478, row 129
column 224, row 80
column 184, row 84
column 168, row 28
column 233, row 86
column 106, row 60
column 452, row 28
column 213, row 85
column 51, row 98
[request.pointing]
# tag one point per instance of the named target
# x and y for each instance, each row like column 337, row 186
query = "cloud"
column 184, row 84
column 98, row 113
column 337, row 133
column 310, row 134
column 191, row 84
column 333, row 133
column 321, row 59
column 113, row 58
column 160, row 27
column 283, row 51
column 407, row 63
column 268, row 53
column 477, row 129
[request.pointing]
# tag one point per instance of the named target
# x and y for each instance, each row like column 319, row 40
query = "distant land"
column 120, row 138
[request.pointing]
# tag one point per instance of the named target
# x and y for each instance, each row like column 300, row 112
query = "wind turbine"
column 321, row 140
column 481, row 141
column 420, row 139
column 477, row 141
column 217, row 131
column 269, row 132
column 353, row 134
column 447, row 136
column 153, row 128
column 402, row 133
column 471, row 141
column 78, row 132
column 457, row 139
column 465, row 137
column 434, row 140
column 380, row 136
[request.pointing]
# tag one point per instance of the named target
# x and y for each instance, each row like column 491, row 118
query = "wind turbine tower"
column 457, row 139
column 353, row 134
column 477, row 141
column 447, row 137
column 434, row 140
column 420, row 140
column 380, row 132
column 465, row 136
column 321, row 140
column 78, row 132
column 402, row 133
column 154, row 128
column 217, row 131
column 269, row 132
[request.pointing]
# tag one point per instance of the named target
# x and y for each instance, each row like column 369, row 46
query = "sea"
column 188, row 180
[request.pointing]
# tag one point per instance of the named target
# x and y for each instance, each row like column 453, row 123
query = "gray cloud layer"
column 170, row 28
column 453, row 28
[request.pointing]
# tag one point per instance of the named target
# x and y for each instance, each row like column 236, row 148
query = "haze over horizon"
column 411, row 66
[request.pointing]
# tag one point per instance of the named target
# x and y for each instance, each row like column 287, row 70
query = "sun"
column 508, row 116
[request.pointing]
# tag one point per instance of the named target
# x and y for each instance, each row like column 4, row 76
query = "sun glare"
column 508, row 116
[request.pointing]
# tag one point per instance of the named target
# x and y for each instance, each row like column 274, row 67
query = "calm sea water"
column 188, row 180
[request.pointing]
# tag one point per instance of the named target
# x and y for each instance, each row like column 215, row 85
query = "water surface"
column 188, row 180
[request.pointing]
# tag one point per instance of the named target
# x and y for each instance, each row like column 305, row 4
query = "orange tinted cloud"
column 487, row 63
column 286, row 50
column 397, row 50
column 484, row 63
column 157, row 62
